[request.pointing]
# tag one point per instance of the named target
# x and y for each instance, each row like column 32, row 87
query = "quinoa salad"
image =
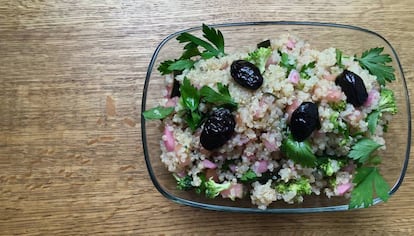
column 277, row 122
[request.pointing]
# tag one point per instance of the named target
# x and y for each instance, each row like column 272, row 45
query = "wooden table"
column 71, row 75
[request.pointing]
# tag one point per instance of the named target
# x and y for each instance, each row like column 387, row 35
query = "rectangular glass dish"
column 349, row 39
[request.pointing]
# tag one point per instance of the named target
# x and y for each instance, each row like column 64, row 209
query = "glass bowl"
column 349, row 39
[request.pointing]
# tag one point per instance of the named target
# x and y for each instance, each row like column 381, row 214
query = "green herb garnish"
column 375, row 62
column 191, row 97
column 181, row 65
column 303, row 71
column 157, row 113
column 386, row 103
column 213, row 47
column 338, row 56
column 300, row 152
column 287, row 63
column 363, row 149
column 366, row 180
column 222, row 97
column 248, row 176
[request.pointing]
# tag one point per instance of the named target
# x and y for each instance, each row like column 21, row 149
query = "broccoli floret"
column 259, row 57
column 387, row 101
column 213, row 189
column 338, row 106
column 282, row 187
column 184, row 183
column 334, row 119
column 331, row 166
column 300, row 186
column 340, row 127
column 332, row 182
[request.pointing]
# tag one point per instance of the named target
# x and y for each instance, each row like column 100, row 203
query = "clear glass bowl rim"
column 269, row 210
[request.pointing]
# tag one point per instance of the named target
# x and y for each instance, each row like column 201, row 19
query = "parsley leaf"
column 157, row 113
column 362, row 150
column 194, row 119
column 169, row 66
column 375, row 62
column 338, row 56
column 300, row 152
column 219, row 98
column 303, row 71
column 193, row 40
column 366, row 180
column 214, row 47
column 181, row 65
column 191, row 50
column 189, row 95
column 287, row 63
column 163, row 68
column 190, row 98
column 216, row 37
column 248, row 176
column 372, row 121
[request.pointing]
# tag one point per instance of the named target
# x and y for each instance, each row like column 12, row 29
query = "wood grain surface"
column 71, row 78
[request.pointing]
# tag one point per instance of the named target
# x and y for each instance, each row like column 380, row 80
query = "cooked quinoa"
column 262, row 118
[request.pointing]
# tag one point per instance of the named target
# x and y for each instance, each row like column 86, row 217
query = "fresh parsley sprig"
column 300, row 152
column 157, row 113
column 191, row 98
column 249, row 175
column 376, row 64
column 338, row 56
column 222, row 97
column 367, row 178
column 213, row 46
column 362, row 150
column 304, row 70
column 386, row 104
column 286, row 62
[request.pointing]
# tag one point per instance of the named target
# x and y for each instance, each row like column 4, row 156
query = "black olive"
column 264, row 44
column 353, row 87
column 269, row 175
column 218, row 129
column 304, row 120
column 246, row 74
column 175, row 91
